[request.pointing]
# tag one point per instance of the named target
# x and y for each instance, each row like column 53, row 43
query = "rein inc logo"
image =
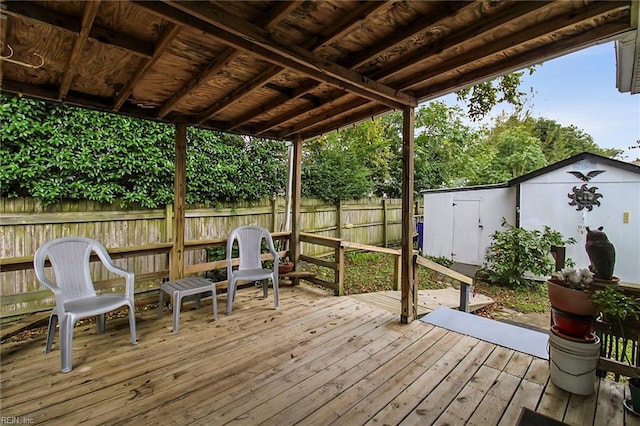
column 11, row 420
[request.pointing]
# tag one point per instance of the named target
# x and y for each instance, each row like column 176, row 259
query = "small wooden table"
column 186, row 287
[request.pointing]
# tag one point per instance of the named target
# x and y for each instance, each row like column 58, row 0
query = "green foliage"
column 53, row 152
column 515, row 251
column 482, row 97
column 620, row 312
column 332, row 171
column 441, row 260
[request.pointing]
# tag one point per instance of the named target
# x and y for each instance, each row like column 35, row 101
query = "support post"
column 385, row 224
column 339, row 275
column 409, row 292
column 295, row 246
column 339, row 223
column 176, row 261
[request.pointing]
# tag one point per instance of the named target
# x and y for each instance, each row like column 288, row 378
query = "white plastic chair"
column 250, row 269
column 74, row 292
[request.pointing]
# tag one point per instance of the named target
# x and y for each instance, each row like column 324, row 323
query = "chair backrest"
column 69, row 257
column 249, row 239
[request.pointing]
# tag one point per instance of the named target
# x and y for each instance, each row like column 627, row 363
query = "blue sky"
column 580, row 89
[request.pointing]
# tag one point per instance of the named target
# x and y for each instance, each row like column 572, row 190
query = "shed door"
column 466, row 235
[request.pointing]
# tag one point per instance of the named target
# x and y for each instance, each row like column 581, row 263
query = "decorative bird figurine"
column 601, row 252
column 588, row 176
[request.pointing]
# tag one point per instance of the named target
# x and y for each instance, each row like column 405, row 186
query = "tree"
column 333, row 171
column 482, row 97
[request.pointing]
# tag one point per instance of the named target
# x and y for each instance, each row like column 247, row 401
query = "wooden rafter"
column 270, row 20
column 298, row 128
column 299, row 91
column 421, row 27
column 353, row 61
column 37, row 13
column 516, row 62
column 237, row 94
column 339, row 28
column 89, row 14
column 163, row 43
column 243, row 35
column 505, row 43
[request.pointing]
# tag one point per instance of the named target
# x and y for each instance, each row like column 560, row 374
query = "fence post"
column 274, row 214
column 397, row 275
column 385, row 225
column 339, row 275
column 339, row 218
column 168, row 222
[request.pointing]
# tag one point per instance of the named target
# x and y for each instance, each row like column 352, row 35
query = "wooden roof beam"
column 88, row 15
column 339, row 28
column 483, row 27
column 239, row 93
column 524, row 36
column 243, row 35
column 298, row 128
column 275, row 15
column 353, row 61
column 33, row 11
column 529, row 58
column 163, row 43
column 401, row 36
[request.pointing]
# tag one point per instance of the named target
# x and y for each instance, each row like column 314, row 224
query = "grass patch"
column 367, row 272
column 524, row 300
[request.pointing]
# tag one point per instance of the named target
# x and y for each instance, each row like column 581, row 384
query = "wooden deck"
column 319, row 360
column 428, row 300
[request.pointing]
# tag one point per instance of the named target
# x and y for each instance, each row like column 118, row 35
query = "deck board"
column 428, row 300
column 319, row 359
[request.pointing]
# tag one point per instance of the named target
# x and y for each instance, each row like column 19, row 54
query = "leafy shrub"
column 53, row 152
column 516, row 251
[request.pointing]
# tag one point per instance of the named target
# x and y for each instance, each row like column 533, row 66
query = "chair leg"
column 160, row 303
column 177, row 306
column 100, row 323
column 214, row 302
column 276, row 300
column 132, row 325
column 231, row 292
column 51, row 332
column 66, row 342
column 265, row 288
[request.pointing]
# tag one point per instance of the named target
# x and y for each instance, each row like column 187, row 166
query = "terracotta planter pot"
column 570, row 300
column 578, row 326
column 285, row 268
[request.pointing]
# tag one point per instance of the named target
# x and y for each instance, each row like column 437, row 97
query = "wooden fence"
column 25, row 224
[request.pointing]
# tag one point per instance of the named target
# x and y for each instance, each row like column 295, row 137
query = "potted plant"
column 568, row 291
column 620, row 317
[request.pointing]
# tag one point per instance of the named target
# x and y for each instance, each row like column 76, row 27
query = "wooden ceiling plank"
column 338, row 29
column 475, row 31
column 483, row 27
column 531, row 57
column 88, row 15
column 228, row 55
column 241, row 34
column 35, row 12
column 403, row 35
column 163, row 43
column 359, row 117
column 323, row 116
column 236, row 95
column 523, row 36
column 283, row 118
column 275, row 15
column 356, row 60
column 299, row 91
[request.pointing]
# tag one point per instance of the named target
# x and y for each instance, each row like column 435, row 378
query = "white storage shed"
column 586, row 190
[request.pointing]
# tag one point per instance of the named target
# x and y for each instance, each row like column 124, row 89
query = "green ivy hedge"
column 53, row 152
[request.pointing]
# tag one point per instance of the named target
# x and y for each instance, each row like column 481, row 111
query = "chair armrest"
column 111, row 266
